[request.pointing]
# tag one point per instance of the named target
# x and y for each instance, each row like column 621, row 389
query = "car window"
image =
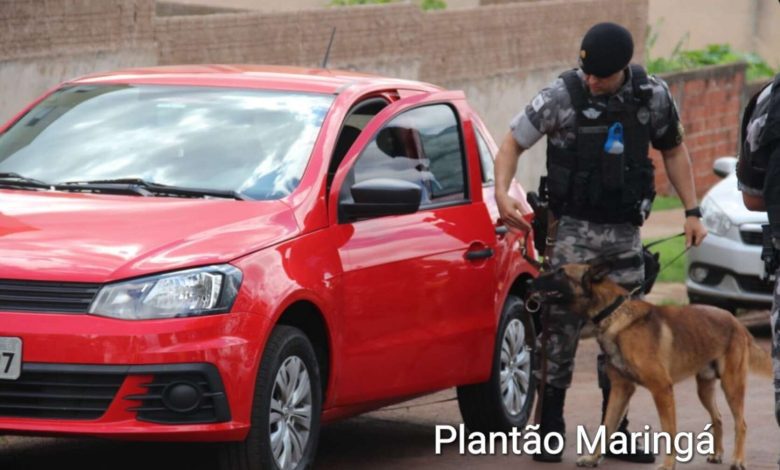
column 485, row 159
column 421, row 146
column 256, row 142
column 356, row 120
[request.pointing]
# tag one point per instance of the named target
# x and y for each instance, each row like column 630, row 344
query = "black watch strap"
column 695, row 212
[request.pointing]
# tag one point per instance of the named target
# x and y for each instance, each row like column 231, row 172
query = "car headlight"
column 714, row 219
column 199, row 291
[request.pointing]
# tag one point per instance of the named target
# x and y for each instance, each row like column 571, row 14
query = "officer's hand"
column 694, row 231
column 511, row 212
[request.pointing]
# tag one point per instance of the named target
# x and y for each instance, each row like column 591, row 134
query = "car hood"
column 728, row 197
column 99, row 238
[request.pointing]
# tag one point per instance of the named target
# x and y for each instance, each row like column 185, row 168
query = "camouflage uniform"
column 761, row 136
column 776, row 345
column 579, row 241
column 551, row 113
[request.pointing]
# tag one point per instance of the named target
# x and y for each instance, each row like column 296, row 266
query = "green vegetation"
column 344, row 3
column 662, row 203
column 433, row 5
column 712, row 54
column 424, row 4
column 669, row 250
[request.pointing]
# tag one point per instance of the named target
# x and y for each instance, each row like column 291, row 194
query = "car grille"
column 210, row 406
column 751, row 238
column 754, row 284
column 60, row 392
column 85, row 392
column 41, row 296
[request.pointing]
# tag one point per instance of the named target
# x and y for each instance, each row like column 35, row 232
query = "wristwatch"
column 694, row 212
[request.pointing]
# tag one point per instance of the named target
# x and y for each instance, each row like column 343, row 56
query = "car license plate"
column 10, row 358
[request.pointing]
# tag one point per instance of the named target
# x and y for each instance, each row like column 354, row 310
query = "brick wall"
column 44, row 42
column 364, row 35
column 710, row 102
column 517, row 38
column 40, row 28
column 439, row 46
column 177, row 9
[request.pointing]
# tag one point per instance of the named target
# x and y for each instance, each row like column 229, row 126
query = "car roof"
column 252, row 76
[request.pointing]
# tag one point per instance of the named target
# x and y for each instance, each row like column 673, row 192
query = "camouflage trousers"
column 776, row 344
column 579, row 241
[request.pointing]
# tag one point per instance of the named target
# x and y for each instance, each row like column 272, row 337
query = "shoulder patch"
column 538, row 102
column 680, row 132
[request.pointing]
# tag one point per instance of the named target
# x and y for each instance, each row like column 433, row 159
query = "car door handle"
column 502, row 230
column 479, row 254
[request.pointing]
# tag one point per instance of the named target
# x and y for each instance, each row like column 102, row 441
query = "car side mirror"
column 724, row 166
column 380, row 197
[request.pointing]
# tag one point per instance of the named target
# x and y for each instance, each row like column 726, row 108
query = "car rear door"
column 419, row 289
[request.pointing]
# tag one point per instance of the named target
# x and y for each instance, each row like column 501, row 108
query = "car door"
column 419, row 289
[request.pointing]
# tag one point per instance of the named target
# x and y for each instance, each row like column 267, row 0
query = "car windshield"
column 253, row 142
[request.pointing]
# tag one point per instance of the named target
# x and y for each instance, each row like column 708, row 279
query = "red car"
column 238, row 253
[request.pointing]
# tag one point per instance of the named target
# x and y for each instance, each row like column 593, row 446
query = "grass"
column 669, row 250
column 663, row 203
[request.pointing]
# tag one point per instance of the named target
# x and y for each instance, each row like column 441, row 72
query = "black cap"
column 606, row 48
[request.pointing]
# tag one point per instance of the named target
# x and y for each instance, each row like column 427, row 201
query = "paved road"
column 404, row 438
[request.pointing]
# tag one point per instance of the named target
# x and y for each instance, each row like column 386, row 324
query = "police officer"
column 758, row 172
column 599, row 121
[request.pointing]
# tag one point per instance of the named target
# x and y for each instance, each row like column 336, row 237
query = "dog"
column 656, row 347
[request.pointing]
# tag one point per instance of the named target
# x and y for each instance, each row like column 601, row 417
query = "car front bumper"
column 735, row 272
column 186, row 379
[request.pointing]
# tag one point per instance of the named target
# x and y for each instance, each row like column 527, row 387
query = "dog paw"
column 714, row 458
column 588, row 461
column 738, row 466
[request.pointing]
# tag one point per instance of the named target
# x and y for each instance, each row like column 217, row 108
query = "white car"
column 727, row 270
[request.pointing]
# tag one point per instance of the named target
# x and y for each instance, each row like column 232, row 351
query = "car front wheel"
column 505, row 400
column 285, row 410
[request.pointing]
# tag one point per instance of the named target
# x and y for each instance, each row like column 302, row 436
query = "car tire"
column 491, row 406
column 288, row 363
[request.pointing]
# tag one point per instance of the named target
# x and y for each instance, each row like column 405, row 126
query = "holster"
column 769, row 252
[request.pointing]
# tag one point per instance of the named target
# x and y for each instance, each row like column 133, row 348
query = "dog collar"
column 609, row 310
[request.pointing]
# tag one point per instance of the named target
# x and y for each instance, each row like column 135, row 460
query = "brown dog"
column 656, row 347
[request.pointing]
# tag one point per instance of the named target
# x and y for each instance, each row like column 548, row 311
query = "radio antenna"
column 327, row 52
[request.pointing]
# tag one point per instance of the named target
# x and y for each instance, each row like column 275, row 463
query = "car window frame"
column 481, row 138
column 467, row 197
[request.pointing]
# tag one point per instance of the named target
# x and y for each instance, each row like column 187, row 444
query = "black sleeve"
column 772, row 189
column 674, row 134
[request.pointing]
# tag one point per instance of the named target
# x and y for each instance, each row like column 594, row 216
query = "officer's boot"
column 552, row 421
column 641, row 455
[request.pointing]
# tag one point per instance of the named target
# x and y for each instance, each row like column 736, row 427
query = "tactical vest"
column 586, row 182
column 754, row 151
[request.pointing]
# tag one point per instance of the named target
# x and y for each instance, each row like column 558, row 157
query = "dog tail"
column 760, row 360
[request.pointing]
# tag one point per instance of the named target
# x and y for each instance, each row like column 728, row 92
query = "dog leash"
column 652, row 244
column 668, row 264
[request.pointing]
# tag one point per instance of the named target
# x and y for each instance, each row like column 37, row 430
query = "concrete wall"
column 748, row 25
column 43, row 43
